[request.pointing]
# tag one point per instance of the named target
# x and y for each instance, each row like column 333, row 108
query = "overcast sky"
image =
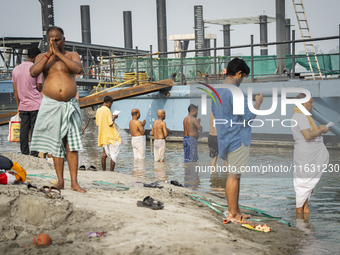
column 22, row 18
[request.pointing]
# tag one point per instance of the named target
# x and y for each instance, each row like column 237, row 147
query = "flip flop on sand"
column 150, row 203
column 153, row 185
column 92, row 168
column 82, row 167
column 47, row 190
column 32, row 187
column 240, row 221
column 176, row 183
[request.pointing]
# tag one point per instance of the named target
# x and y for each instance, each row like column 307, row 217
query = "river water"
column 273, row 193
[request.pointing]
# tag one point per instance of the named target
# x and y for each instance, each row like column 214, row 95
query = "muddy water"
column 273, row 193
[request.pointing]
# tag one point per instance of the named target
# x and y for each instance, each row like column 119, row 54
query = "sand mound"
column 29, row 162
column 25, row 213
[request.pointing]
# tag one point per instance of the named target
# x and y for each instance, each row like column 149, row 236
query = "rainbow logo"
column 209, row 93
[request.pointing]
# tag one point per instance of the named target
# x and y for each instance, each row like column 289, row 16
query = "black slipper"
column 176, row 183
column 150, row 203
column 92, row 168
column 32, row 187
column 153, row 185
column 82, row 167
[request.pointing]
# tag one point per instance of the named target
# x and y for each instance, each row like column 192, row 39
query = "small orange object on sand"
column 41, row 240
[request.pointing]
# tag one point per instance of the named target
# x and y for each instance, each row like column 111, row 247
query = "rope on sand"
column 99, row 182
column 261, row 212
column 111, row 184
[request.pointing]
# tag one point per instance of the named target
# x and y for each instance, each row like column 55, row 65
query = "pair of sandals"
column 47, row 191
column 149, row 202
column 91, row 168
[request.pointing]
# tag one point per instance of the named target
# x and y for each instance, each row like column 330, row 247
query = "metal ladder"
column 305, row 34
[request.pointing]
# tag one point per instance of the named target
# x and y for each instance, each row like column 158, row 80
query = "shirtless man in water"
column 191, row 126
column 58, row 125
column 160, row 132
column 138, row 140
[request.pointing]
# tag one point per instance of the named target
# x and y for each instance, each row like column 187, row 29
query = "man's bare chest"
column 56, row 66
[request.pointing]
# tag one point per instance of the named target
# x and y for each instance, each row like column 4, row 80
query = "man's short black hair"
column 192, row 107
column 55, row 28
column 33, row 52
column 108, row 99
column 134, row 113
column 236, row 65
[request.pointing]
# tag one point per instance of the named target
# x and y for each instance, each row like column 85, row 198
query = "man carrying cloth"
column 138, row 140
column 234, row 141
column 28, row 98
column 160, row 132
column 191, row 126
column 58, row 126
column 309, row 151
column 108, row 136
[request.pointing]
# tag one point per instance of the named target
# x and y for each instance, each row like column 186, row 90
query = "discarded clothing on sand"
column 5, row 163
column 16, row 174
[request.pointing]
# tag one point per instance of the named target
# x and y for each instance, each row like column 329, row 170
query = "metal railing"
column 214, row 63
column 137, row 59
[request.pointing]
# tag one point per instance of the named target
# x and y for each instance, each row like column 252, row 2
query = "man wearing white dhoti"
column 310, row 154
column 138, row 140
column 160, row 132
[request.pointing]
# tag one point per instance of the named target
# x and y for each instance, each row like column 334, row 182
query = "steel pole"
column 226, row 39
column 127, row 29
column 288, row 36
column 151, row 64
column 181, row 76
column 161, row 27
column 47, row 18
column 85, row 23
column 293, row 54
column 199, row 30
column 280, row 35
column 252, row 58
column 215, row 65
column 263, row 34
column 137, row 76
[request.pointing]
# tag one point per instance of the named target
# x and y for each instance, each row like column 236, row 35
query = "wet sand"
column 183, row 226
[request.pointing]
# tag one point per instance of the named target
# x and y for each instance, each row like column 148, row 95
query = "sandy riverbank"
column 184, row 226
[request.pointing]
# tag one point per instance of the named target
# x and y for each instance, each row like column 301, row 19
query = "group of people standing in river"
column 232, row 142
column 58, row 129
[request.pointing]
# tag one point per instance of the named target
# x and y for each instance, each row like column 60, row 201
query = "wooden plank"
column 125, row 93
column 116, row 95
